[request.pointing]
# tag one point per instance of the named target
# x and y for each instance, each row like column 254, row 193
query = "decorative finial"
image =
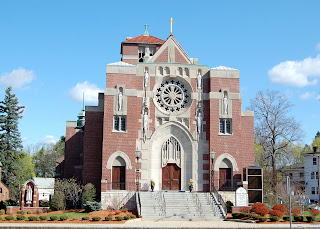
column 171, row 25
column 146, row 33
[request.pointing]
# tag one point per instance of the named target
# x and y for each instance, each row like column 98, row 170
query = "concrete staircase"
column 175, row 206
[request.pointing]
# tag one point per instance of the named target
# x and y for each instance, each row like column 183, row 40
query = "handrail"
column 138, row 202
column 198, row 204
column 125, row 199
column 220, row 201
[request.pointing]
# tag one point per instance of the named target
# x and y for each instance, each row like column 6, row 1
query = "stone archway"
column 175, row 136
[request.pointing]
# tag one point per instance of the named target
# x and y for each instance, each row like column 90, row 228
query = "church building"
column 162, row 117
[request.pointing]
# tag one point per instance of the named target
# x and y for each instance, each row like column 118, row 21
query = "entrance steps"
column 176, row 206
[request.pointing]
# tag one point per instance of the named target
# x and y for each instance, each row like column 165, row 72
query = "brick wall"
column 93, row 149
column 163, row 57
column 179, row 58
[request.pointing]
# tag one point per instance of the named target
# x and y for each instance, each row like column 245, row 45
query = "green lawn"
column 70, row 215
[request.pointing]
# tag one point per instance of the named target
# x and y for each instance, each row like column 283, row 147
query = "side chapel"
column 159, row 117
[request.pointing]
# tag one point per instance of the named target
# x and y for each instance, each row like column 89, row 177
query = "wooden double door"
column 171, row 177
column 118, row 177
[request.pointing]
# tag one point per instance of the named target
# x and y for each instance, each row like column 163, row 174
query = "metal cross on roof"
column 171, row 21
column 146, row 33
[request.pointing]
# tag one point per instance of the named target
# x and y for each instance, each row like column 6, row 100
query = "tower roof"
column 144, row 39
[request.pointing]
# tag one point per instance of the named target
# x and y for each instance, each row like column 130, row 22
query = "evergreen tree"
column 10, row 140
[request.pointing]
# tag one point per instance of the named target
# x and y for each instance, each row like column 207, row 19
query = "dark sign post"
column 289, row 193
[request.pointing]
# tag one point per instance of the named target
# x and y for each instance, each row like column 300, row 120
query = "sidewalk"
column 138, row 223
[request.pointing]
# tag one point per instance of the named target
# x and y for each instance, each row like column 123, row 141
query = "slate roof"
column 45, row 183
column 224, row 68
column 144, row 39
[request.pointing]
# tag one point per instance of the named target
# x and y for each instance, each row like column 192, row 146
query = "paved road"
column 138, row 223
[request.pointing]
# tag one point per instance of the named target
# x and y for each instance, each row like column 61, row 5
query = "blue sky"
column 50, row 51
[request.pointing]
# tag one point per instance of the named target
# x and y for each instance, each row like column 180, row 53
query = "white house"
column 45, row 187
column 311, row 165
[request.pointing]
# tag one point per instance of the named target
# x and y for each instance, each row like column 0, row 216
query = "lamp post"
column 212, row 155
column 137, row 170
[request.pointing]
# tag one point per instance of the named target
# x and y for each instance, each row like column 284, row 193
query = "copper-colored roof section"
column 145, row 39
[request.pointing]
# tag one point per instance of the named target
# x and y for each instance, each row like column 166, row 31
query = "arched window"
column 171, row 152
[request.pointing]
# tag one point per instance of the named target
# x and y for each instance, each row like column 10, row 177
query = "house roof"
column 45, row 183
column 144, row 39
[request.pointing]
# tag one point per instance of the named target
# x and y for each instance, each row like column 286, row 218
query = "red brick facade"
column 94, row 151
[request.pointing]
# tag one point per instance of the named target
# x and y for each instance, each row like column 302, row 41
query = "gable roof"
column 177, row 52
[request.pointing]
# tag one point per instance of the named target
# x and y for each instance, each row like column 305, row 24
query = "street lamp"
column 137, row 170
column 212, row 155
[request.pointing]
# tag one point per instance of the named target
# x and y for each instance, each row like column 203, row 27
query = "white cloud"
column 90, row 92
column 49, row 140
column 296, row 73
column 25, row 139
column 17, row 78
column 318, row 47
column 308, row 95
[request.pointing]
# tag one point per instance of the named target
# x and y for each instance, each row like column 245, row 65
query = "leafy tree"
column 69, row 193
column 10, row 140
column 275, row 131
column 44, row 159
column 88, row 193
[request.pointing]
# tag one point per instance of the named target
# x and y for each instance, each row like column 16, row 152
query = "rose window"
column 172, row 96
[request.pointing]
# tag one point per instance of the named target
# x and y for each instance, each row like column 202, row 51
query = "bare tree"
column 275, row 130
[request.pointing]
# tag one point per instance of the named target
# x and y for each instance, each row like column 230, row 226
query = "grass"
column 70, row 215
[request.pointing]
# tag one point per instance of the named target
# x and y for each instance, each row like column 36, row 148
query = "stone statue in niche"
column 145, row 122
column 146, row 78
column 225, row 103
column 199, row 80
column 199, row 122
column 120, row 101
column 29, row 195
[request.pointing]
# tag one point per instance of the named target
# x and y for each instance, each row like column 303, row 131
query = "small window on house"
column 290, row 175
column 119, row 123
column 312, row 175
column 161, row 71
column 313, row 190
column 314, row 161
column 186, row 70
column 225, row 126
column 180, row 71
column 152, row 50
column 167, row 70
column 301, row 174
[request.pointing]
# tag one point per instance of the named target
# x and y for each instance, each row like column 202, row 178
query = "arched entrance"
column 225, row 175
column 171, row 163
column 119, row 174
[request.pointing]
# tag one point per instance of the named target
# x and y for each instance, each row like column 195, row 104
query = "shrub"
column 132, row 216
column 9, row 217
column 276, row 213
column 298, row 218
column 310, row 218
column 74, row 218
column 255, row 217
column 261, row 211
column 33, row 218
column 29, row 212
column 279, row 207
column 229, row 206
column 108, row 218
column 53, row 218
column 119, row 218
column 126, row 217
column 2, row 211
column 20, row 217
column 286, row 218
column 263, row 219
column 314, row 212
column 296, row 212
column 63, row 217
column 85, row 218
column 236, row 215
column 257, row 205
column 19, row 212
column 96, row 218
column 49, row 210
column 9, row 213
column 43, row 217
column 245, row 209
column 39, row 211
column 117, row 212
column 88, row 193
column 274, row 218
column 92, row 206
